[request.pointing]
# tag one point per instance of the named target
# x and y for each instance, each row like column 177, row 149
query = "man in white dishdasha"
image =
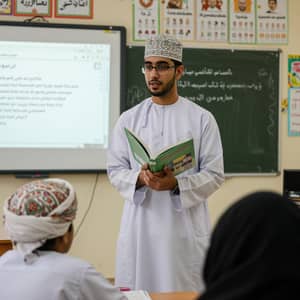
column 165, row 226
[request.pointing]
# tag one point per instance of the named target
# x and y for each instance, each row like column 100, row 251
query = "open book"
column 179, row 157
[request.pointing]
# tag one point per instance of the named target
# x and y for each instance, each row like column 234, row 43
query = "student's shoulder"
column 64, row 261
column 68, row 267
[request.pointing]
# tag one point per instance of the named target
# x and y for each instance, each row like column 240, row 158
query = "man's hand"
column 159, row 181
column 141, row 178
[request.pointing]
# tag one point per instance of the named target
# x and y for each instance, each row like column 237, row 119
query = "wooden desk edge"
column 175, row 296
column 5, row 245
column 5, row 241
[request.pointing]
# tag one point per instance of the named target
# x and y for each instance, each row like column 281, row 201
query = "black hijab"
column 255, row 251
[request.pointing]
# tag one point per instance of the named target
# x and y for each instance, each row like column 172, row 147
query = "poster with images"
column 146, row 19
column 5, row 7
column 212, row 21
column 33, row 8
column 294, row 71
column 179, row 19
column 79, row 9
column 294, row 95
column 242, row 21
column 272, row 22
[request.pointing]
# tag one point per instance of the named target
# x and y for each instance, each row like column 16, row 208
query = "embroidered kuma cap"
column 164, row 46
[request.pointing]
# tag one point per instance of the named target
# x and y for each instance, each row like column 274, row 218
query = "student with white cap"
column 38, row 219
column 165, row 226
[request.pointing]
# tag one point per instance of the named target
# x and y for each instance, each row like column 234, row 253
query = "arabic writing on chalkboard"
column 240, row 88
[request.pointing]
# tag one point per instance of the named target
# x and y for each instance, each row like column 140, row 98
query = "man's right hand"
column 141, row 178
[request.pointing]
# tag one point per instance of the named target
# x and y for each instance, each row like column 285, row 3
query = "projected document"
column 54, row 95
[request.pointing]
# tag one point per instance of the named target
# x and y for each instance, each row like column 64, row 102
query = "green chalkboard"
column 240, row 88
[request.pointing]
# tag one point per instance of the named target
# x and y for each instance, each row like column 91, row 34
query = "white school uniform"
column 52, row 276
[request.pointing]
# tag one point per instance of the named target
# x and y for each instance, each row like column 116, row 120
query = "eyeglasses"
column 159, row 67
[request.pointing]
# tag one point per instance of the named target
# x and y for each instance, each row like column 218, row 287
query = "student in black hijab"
column 255, row 251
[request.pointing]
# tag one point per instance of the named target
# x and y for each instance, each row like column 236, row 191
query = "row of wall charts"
column 80, row 9
column 233, row 21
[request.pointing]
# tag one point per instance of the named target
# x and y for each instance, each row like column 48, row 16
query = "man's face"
column 272, row 4
column 242, row 5
column 160, row 83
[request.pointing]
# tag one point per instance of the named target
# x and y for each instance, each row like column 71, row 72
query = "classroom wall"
column 96, row 239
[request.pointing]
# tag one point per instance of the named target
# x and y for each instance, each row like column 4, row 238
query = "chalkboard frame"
column 142, row 93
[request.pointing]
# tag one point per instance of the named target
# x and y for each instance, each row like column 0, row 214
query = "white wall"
column 96, row 239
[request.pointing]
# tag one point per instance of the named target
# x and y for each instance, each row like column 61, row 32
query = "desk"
column 5, row 245
column 174, row 296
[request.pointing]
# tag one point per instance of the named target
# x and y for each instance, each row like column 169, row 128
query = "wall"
column 96, row 239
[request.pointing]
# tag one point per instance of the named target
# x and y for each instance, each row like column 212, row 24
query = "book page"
column 139, row 151
column 137, row 295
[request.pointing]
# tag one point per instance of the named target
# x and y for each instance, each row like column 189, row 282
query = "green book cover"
column 179, row 157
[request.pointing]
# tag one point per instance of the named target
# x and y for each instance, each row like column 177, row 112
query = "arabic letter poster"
column 242, row 21
column 294, row 112
column 33, row 8
column 77, row 9
column 212, row 21
column 146, row 19
column 272, row 22
column 6, row 7
column 178, row 19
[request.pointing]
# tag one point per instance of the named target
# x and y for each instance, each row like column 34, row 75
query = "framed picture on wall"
column 6, row 7
column 32, row 8
column 79, row 9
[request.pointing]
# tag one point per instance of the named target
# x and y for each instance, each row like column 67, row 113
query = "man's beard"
column 165, row 91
